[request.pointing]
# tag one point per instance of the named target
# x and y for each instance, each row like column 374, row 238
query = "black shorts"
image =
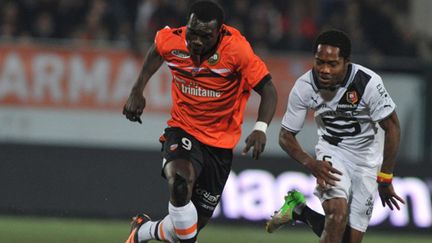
column 212, row 166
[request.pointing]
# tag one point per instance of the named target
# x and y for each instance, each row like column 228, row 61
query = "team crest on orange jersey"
column 214, row 59
column 352, row 97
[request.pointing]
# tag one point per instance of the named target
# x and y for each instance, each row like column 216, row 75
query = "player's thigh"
column 180, row 168
column 342, row 187
column 337, row 208
column 364, row 190
column 181, row 152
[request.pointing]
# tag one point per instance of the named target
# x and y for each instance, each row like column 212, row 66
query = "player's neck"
column 198, row 59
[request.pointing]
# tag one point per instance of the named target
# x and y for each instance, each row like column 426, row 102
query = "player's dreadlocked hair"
column 335, row 38
column 207, row 11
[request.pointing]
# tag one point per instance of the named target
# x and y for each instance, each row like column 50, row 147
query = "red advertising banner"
column 100, row 79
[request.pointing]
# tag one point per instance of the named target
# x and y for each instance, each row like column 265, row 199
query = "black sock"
column 311, row 218
column 156, row 234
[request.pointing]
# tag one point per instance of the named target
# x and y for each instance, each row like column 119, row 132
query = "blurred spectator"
column 154, row 15
column 302, row 16
column 44, row 26
column 381, row 30
column 378, row 27
column 237, row 15
column 9, row 23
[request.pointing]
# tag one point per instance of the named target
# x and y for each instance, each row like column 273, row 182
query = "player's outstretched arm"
column 388, row 196
column 267, row 107
column 136, row 102
column 322, row 170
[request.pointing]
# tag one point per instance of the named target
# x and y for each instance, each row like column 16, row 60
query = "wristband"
column 384, row 178
column 260, row 126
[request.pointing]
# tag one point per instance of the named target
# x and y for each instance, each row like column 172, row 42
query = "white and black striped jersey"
column 349, row 119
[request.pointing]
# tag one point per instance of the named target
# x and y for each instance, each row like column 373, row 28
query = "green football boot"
column 294, row 199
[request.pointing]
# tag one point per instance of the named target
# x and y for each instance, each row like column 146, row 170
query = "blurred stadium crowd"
column 377, row 26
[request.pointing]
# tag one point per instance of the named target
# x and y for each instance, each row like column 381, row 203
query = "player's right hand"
column 134, row 107
column 324, row 172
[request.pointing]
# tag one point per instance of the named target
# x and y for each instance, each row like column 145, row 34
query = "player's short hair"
column 334, row 38
column 207, row 11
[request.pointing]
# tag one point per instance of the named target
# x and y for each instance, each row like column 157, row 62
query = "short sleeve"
column 378, row 99
column 251, row 67
column 296, row 112
column 161, row 38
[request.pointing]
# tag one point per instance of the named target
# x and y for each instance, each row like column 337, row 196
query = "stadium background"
column 66, row 68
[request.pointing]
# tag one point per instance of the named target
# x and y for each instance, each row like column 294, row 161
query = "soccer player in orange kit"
column 214, row 70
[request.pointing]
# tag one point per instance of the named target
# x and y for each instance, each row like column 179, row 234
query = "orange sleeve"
column 161, row 39
column 251, row 67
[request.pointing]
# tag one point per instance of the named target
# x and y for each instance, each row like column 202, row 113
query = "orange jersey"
column 209, row 100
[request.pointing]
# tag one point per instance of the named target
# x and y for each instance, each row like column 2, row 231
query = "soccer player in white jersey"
column 348, row 101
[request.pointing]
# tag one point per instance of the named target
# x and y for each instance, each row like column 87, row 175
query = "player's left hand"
column 388, row 196
column 257, row 140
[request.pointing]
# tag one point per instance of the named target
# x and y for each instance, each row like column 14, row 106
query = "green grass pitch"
column 55, row 230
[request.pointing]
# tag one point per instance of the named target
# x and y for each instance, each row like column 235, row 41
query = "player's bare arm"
column 322, row 170
column 391, row 127
column 267, row 107
column 135, row 104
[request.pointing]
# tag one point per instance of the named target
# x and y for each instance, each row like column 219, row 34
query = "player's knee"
column 337, row 214
column 180, row 190
column 338, row 218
